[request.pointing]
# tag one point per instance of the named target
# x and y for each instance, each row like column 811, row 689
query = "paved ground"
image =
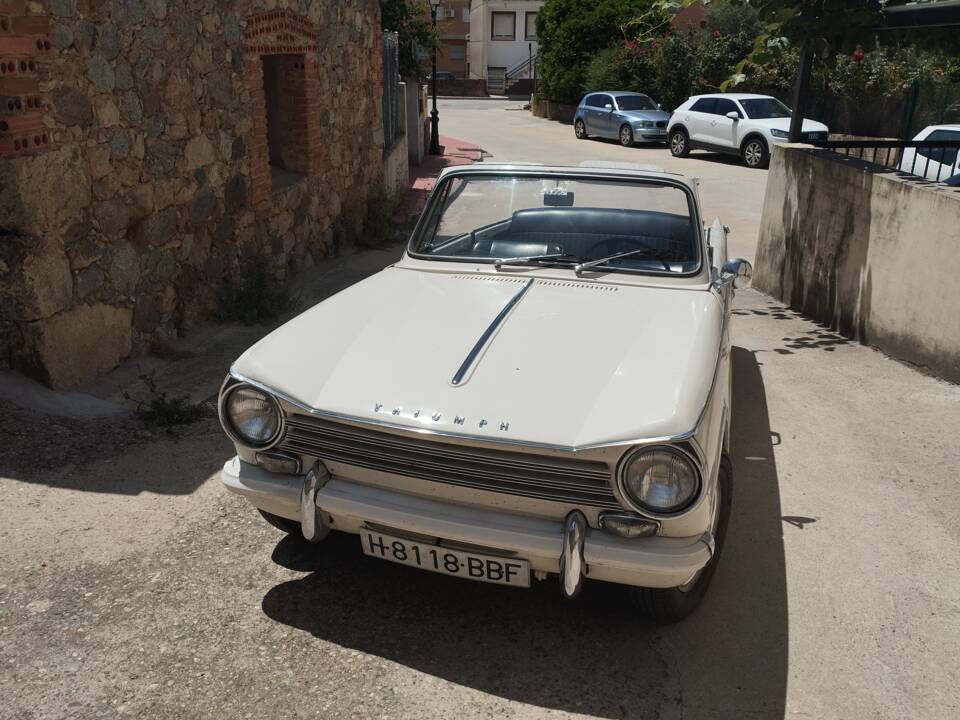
column 131, row 584
column 507, row 132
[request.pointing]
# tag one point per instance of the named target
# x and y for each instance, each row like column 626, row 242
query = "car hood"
column 573, row 364
column 644, row 115
column 784, row 124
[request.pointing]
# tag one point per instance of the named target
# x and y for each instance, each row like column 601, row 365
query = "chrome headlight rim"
column 227, row 423
column 636, row 506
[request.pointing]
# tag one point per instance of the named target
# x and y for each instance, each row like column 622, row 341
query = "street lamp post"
column 434, row 115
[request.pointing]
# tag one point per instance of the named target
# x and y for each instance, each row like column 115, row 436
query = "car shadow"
column 593, row 655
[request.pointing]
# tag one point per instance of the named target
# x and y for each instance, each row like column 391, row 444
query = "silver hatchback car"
column 625, row 116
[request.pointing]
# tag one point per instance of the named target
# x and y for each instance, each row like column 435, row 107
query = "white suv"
column 738, row 124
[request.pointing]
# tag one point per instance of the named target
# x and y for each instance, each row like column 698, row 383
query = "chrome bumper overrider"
column 569, row 548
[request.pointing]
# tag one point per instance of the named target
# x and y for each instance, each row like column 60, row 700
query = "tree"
column 411, row 21
column 571, row 32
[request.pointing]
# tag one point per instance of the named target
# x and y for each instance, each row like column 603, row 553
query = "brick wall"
column 154, row 183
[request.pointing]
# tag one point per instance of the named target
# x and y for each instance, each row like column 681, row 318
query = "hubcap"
column 753, row 153
column 677, row 144
column 625, row 136
column 579, row 129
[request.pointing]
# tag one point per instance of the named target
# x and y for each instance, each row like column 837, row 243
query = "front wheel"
column 674, row 604
column 755, row 153
column 291, row 527
column 679, row 143
column 626, row 136
column 580, row 130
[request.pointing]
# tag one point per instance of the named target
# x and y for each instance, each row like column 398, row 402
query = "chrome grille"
column 575, row 481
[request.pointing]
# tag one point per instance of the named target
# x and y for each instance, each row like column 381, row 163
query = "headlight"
column 646, row 123
column 252, row 415
column 660, row 479
column 780, row 133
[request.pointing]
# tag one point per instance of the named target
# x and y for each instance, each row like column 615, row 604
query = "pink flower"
column 716, row 33
column 857, row 55
column 702, row 80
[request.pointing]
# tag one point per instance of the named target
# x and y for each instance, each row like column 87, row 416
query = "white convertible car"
column 539, row 388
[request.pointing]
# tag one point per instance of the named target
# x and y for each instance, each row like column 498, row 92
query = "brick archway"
column 287, row 43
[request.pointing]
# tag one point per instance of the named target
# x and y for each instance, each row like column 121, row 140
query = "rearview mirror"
column 733, row 115
column 737, row 271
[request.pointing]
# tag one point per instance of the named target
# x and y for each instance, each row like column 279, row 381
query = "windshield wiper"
column 645, row 251
column 529, row 259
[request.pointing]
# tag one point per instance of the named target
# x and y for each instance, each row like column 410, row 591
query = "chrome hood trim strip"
column 487, row 334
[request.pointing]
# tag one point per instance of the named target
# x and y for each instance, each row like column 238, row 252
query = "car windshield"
column 765, row 108
column 561, row 221
column 635, row 102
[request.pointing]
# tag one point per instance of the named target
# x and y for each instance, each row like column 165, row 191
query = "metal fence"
column 392, row 127
column 935, row 160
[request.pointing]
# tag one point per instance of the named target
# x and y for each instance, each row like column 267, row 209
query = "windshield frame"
column 435, row 204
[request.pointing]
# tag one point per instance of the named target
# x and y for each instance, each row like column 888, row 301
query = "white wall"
column 482, row 51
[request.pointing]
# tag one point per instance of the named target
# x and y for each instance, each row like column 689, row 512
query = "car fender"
column 754, row 134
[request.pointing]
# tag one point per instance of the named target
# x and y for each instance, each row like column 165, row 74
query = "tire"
column 625, row 135
column 755, row 153
column 673, row 604
column 291, row 527
column 679, row 143
column 580, row 130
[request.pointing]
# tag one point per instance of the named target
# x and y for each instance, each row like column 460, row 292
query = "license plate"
column 472, row 566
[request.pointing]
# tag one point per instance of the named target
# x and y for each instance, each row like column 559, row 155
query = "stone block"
column 35, row 279
column 77, row 345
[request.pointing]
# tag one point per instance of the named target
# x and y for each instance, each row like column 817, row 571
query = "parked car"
column 934, row 163
column 738, row 124
column 625, row 116
column 539, row 387
column 442, row 75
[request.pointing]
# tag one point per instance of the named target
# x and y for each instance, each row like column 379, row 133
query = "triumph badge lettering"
column 437, row 417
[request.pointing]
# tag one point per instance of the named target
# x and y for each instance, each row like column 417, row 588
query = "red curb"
column 424, row 176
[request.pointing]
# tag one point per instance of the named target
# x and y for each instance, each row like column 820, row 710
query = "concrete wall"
column 870, row 253
column 149, row 183
column 396, row 160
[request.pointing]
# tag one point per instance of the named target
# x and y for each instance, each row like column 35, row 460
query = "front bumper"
column 657, row 562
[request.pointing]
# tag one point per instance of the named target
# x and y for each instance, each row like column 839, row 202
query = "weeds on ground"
column 256, row 297
column 160, row 409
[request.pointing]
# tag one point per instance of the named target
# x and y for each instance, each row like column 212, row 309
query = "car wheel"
column 755, row 153
column 580, row 130
column 291, row 527
column 626, row 136
column 674, row 604
column 679, row 143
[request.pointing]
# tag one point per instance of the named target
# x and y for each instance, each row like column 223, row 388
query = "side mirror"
column 737, row 271
column 733, row 115
column 608, row 106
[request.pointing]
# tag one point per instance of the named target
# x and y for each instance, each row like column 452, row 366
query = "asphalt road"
column 132, row 585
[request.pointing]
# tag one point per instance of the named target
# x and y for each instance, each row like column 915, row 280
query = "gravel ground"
column 134, row 585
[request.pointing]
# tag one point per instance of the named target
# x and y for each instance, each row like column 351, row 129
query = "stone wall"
column 865, row 250
column 150, row 183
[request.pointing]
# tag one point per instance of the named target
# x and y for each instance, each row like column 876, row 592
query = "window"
column 704, row 105
column 945, row 156
column 484, row 218
column 725, row 105
column 636, row 102
column 284, row 93
column 466, row 15
column 451, row 12
column 531, row 32
column 457, row 52
column 765, row 108
column 598, row 101
column 503, row 26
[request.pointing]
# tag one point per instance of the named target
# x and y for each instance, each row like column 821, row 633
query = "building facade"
column 453, row 26
column 503, row 38
column 151, row 150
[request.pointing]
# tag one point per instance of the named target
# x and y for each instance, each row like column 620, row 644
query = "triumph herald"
column 537, row 391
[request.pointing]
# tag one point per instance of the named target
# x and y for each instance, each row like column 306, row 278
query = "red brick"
column 17, row 46
column 31, row 25
column 23, row 124
column 13, row 7
column 18, row 85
